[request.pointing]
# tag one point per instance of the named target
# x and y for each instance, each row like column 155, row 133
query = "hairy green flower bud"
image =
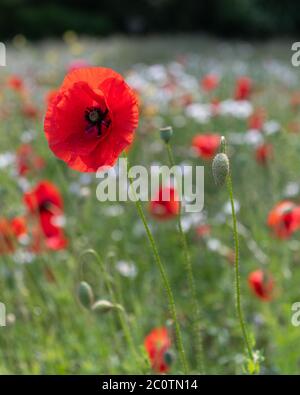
column 220, row 168
column 85, row 294
column 104, row 306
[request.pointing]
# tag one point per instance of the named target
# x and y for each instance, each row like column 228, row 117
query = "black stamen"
column 96, row 118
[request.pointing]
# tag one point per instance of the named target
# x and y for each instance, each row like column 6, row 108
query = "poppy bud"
column 166, row 133
column 169, row 357
column 220, row 168
column 104, row 306
column 85, row 294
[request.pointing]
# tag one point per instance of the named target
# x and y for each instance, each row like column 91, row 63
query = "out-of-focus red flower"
column 295, row 101
column 16, row 83
column 166, row 204
column 257, row 119
column 157, row 344
column 210, row 82
column 92, row 119
column 30, row 111
column 284, row 219
column 26, row 160
column 19, row 226
column 203, row 230
column 243, row 88
column 206, row 145
column 215, row 106
column 46, row 202
column 6, row 237
column 261, row 284
column 263, row 153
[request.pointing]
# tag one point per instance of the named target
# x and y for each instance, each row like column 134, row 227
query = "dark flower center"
column 97, row 118
column 45, row 205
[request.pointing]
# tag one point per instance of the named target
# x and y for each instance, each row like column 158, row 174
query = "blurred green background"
column 235, row 18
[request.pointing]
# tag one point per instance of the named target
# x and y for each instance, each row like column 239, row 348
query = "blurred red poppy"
column 6, row 237
column 206, row 145
column 46, row 202
column 284, row 219
column 26, row 160
column 30, row 111
column 261, row 284
column 157, row 345
column 92, row 119
column 166, row 204
column 257, row 119
column 243, row 88
column 210, row 82
column 19, row 226
column 263, row 153
column 203, row 230
column 16, row 83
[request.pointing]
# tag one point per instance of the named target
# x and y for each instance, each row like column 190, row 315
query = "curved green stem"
column 165, row 280
column 237, row 270
column 191, row 280
column 121, row 314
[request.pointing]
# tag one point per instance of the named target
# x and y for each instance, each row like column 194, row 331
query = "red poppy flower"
column 6, row 237
column 16, row 83
column 284, row 219
column 263, row 153
column 26, row 160
column 206, row 145
column 261, row 284
column 157, row 345
column 29, row 111
column 257, row 119
column 243, row 88
column 166, row 204
column 19, row 226
column 203, row 230
column 46, row 202
column 210, row 82
column 92, row 119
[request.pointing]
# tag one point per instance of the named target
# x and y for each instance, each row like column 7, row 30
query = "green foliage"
column 252, row 18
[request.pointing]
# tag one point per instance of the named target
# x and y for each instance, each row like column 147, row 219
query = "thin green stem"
column 191, row 280
column 165, row 280
column 236, row 259
column 121, row 314
column 237, row 270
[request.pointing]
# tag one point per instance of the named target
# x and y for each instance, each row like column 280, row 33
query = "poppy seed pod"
column 104, row 306
column 169, row 357
column 85, row 294
column 166, row 133
column 220, row 168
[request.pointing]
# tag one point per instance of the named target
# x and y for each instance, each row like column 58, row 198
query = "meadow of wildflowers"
column 96, row 287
